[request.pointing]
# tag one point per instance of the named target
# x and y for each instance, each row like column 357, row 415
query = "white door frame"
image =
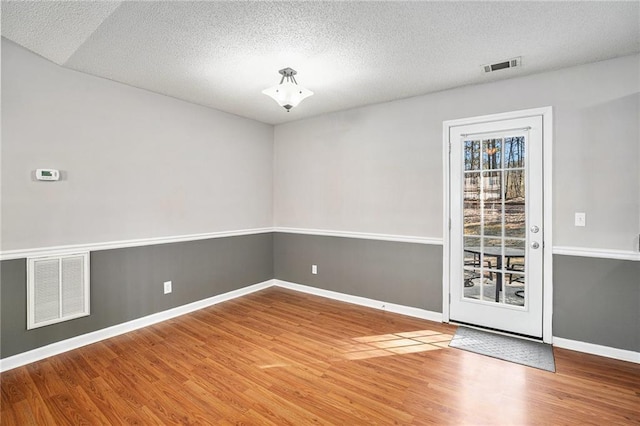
column 547, row 167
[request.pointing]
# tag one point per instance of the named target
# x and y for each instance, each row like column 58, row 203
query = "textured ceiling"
column 223, row 54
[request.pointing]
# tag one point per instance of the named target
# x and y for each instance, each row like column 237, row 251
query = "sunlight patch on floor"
column 394, row 344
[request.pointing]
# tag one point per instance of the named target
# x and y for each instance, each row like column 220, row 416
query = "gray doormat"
column 520, row 351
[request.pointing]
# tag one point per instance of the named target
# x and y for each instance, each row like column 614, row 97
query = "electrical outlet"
column 581, row 219
column 314, row 269
column 167, row 287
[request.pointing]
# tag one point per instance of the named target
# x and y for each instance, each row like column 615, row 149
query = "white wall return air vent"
column 57, row 289
column 510, row 63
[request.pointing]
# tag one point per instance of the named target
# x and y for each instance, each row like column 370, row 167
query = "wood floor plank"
column 222, row 404
column 71, row 410
column 97, row 355
column 215, row 409
column 46, row 380
column 14, row 385
column 108, row 402
column 280, row 410
column 310, row 397
column 283, row 357
column 20, row 414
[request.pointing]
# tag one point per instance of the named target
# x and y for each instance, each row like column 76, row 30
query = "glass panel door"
column 496, row 250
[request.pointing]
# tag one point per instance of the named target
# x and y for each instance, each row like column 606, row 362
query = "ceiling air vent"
column 511, row 63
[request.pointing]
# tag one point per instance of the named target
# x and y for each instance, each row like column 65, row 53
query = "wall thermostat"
column 47, row 174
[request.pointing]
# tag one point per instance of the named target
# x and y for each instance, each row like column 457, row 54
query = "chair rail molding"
column 361, row 235
column 74, row 248
column 601, row 253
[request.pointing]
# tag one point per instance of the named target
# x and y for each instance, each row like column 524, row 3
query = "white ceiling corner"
column 223, row 54
column 53, row 29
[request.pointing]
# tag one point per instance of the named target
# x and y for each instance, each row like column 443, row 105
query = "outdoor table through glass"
column 496, row 252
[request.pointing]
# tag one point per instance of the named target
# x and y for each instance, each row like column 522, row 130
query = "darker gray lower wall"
column 597, row 301
column 403, row 273
column 128, row 283
column 594, row 301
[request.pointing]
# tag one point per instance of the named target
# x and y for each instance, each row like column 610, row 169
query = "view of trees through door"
column 494, row 217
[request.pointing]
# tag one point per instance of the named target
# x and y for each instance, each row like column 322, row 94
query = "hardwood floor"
column 282, row 357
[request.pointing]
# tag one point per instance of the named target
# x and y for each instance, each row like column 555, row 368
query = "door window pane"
column 472, row 155
column 491, row 154
column 491, row 187
column 472, row 204
column 514, row 152
column 492, row 206
column 515, row 289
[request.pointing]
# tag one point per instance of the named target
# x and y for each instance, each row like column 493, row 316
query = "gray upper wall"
column 134, row 164
column 138, row 165
column 378, row 169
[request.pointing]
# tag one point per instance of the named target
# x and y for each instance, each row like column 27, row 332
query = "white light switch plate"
column 167, row 287
column 581, row 219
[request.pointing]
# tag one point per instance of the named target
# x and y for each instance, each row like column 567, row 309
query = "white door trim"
column 547, row 150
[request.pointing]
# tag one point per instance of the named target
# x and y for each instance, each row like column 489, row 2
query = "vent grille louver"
column 47, row 290
column 72, row 286
column 510, row 63
column 57, row 289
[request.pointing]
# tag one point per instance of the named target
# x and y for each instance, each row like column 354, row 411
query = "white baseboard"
column 116, row 330
column 363, row 301
column 591, row 348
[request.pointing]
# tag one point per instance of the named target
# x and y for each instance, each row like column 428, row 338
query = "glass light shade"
column 288, row 94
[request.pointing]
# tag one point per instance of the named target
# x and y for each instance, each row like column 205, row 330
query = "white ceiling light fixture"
column 288, row 93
